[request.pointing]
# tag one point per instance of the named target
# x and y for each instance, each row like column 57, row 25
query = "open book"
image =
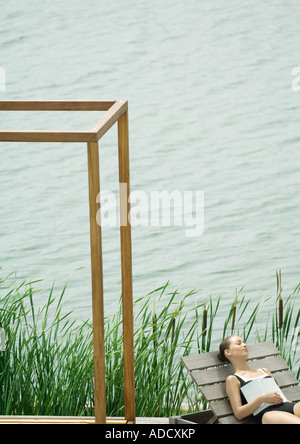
column 259, row 386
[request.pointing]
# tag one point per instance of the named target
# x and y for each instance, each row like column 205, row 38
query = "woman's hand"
column 272, row 398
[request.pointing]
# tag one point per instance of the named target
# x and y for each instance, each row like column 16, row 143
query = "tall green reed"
column 286, row 325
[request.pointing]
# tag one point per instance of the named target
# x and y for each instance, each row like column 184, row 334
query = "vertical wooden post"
column 97, row 284
column 126, row 264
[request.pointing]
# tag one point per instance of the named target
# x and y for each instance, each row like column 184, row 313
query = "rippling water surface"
column 211, row 109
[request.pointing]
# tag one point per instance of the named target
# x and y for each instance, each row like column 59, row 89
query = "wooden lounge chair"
column 210, row 375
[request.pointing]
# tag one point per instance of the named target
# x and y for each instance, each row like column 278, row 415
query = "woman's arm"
column 242, row 411
column 270, row 374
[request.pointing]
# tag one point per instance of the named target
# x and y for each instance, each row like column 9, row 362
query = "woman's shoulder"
column 232, row 379
column 267, row 371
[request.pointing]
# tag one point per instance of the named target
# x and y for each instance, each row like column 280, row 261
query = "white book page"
column 259, row 386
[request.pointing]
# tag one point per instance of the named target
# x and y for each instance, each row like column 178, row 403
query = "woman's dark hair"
column 224, row 346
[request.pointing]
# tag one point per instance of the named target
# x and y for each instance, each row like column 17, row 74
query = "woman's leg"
column 280, row 418
column 297, row 409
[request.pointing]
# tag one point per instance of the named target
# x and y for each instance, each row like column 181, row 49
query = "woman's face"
column 238, row 349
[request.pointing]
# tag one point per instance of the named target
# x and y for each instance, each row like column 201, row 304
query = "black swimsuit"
column 284, row 407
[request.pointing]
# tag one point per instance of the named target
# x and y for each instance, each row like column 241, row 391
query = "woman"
column 235, row 351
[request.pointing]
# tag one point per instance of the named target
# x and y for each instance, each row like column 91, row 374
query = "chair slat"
column 221, row 408
column 285, row 379
column 231, row 419
column 214, row 392
column 201, row 361
column 212, row 375
column 292, row 393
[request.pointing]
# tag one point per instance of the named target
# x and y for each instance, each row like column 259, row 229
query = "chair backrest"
column 210, row 375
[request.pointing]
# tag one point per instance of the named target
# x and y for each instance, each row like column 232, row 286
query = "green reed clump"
column 47, row 367
column 44, row 370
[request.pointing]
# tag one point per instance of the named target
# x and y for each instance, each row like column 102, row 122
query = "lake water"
column 211, row 109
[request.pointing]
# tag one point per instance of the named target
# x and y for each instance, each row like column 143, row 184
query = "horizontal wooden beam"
column 48, row 136
column 110, row 118
column 57, row 420
column 114, row 110
column 55, row 105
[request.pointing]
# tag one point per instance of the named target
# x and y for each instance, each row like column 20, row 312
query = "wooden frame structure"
column 115, row 112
